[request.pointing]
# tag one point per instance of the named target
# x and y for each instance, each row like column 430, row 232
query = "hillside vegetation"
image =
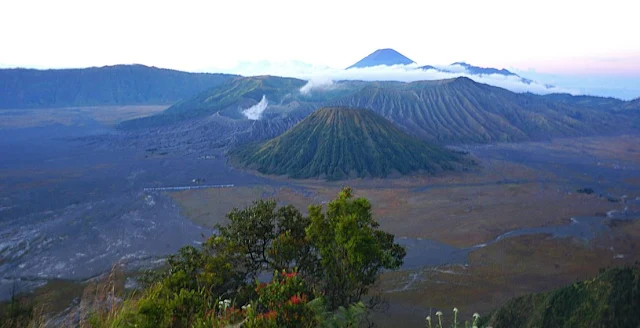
column 109, row 85
column 610, row 300
column 338, row 143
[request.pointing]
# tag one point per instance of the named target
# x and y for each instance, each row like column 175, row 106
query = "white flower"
column 224, row 304
column 439, row 313
column 428, row 318
column 455, row 309
column 476, row 315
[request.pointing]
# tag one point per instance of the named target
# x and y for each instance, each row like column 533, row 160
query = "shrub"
column 283, row 303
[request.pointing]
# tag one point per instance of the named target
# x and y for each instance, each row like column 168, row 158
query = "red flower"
column 271, row 314
column 289, row 275
column 260, row 287
column 295, row 299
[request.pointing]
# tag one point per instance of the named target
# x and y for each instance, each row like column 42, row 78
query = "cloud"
column 255, row 112
column 318, row 83
column 322, row 77
column 452, row 68
column 622, row 87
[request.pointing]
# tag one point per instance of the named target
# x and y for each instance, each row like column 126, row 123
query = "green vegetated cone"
column 338, row 143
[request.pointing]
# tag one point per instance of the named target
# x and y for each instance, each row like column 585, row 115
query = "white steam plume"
column 318, row 83
column 255, row 112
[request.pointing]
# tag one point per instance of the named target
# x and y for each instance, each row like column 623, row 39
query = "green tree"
column 328, row 262
column 342, row 252
column 264, row 238
column 352, row 248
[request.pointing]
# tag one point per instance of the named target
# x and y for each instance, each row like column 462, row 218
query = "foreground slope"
column 610, row 300
column 109, row 85
column 337, row 143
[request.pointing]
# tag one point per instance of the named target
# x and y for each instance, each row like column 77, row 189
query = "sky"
column 576, row 39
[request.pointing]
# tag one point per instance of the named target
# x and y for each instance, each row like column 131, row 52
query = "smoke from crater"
column 255, row 112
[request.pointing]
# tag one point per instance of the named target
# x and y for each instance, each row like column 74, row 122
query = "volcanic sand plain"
column 516, row 186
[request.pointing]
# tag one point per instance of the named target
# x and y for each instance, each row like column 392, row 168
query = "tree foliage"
column 324, row 262
column 341, row 252
column 265, row 238
column 352, row 248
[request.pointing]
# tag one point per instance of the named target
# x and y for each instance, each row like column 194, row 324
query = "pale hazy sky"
column 559, row 37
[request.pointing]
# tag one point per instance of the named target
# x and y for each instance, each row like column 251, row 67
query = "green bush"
column 282, row 303
column 340, row 253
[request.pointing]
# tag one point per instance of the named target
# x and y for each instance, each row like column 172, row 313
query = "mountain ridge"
column 457, row 110
column 478, row 70
column 461, row 110
column 107, row 85
column 229, row 99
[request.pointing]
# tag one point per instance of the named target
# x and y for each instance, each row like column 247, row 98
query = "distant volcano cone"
column 340, row 143
column 386, row 57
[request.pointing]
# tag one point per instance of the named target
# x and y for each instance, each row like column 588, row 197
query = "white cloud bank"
column 622, row 87
column 320, row 77
column 255, row 112
column 625, row 88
